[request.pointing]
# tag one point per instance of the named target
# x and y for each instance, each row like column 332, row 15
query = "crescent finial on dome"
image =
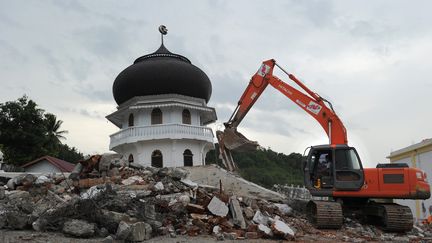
column 163, row 30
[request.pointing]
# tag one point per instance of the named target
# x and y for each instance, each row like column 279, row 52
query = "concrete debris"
column 292, row 191
column 123, row 230
column 189, row 183
column 117, row 217
column 140, row 231
column 108, row 239
column 3, row 221
column 2, row 193
column 184, row 199
column 280, row 228
column 230, row 236
column 78, row 228
column 237, row 213
column 284, row 208
column 92, row 192
column 159, row 186
column 248, row 212
column 42, row 180
column 217, row 207
column 16, row 219
column 264, row 229
column 260, row 218
column 179, row 173
column 216, row 229
column 134, row 180
column 120, row 202
column 11, row 184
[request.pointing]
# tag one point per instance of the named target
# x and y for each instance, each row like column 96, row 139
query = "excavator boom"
column 310, row 102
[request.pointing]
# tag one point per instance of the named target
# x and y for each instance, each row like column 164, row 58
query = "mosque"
column 162, row 111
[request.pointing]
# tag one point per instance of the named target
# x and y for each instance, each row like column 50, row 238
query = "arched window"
column 131, row 120
column 186, row 116
column 131, row 159
column 187, row 158
column 156, row 159
column 156, row 116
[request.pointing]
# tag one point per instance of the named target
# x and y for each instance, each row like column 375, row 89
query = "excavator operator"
column 324, row 165
column 323, row 170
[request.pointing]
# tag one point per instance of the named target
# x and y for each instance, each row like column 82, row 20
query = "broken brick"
column 195, row 208
column 251, row 235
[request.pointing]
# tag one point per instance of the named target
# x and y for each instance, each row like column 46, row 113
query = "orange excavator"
column 334, row 170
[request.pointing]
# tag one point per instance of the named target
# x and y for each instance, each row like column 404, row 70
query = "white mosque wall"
column 170, row 115
column 172, row 151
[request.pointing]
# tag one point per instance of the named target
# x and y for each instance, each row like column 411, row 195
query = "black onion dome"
column 161, row 72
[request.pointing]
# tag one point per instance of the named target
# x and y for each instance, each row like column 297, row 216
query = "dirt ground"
column 20, row 236
column 326, row 236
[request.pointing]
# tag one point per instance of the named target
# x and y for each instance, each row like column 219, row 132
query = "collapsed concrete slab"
column 233, row 184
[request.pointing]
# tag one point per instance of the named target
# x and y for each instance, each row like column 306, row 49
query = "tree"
column 22, row 130
column 27, row 133
column 70, row 154
column 265, row 167
column 53, row 128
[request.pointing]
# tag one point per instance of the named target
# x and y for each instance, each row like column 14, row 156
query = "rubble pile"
column 292, row 191
column 135, row 203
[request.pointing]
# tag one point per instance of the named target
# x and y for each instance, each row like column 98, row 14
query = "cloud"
column 102, row 93
column 370, row 60
column 95, row 114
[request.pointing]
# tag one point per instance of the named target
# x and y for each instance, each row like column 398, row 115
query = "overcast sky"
column 371, row 59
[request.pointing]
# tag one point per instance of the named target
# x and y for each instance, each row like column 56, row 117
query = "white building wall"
column 167, row 116
column 405, row 160
column 172, row 151
column 145, row 117
column 423, row 161
column 142, row 117
column 42, row 166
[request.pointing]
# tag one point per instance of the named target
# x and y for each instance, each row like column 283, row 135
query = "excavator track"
column 325, row 215
column 397, row 218
column 394, row 217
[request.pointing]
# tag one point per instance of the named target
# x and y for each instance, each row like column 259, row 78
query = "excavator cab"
column 329, row 168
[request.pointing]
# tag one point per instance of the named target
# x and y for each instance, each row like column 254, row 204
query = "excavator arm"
column 309, row 101
column 312, row 103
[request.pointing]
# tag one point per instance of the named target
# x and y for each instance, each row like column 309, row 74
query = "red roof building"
column 48, row 164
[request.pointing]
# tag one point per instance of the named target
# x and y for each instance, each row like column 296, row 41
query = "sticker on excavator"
column 236, row 141
column 263, row 70
column 300, row 103
column 314, row 107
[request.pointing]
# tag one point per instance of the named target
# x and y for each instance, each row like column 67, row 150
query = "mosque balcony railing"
column 162, row 131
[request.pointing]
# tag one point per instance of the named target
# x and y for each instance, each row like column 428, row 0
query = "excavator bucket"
column 236, row 141
column 229, row 140
column 225, row 154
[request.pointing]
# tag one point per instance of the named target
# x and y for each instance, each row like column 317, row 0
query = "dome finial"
column 163, row 30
